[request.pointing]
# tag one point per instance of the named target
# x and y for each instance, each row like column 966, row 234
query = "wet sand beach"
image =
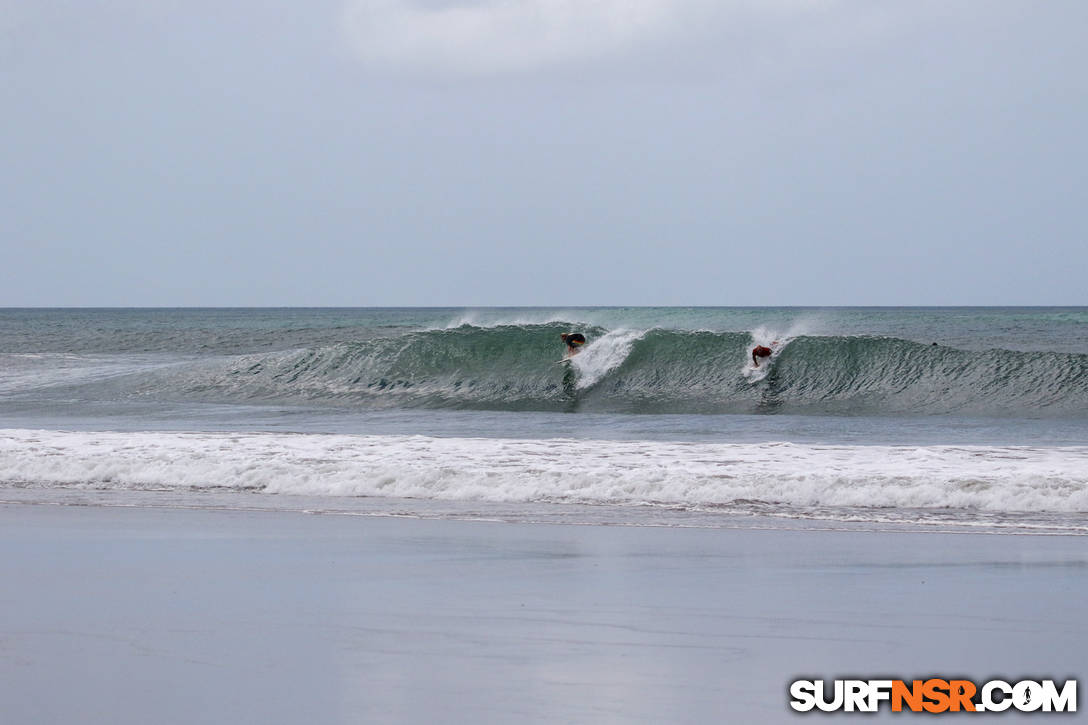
column 135, row 615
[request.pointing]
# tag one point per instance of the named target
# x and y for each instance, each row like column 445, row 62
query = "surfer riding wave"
column 760, row 351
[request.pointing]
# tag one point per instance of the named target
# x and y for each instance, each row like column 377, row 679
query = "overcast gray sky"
column 543, row 152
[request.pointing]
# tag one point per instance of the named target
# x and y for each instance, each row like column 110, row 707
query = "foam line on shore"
column 656, row 473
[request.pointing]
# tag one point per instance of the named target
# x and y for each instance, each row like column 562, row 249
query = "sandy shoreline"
column 134, row 615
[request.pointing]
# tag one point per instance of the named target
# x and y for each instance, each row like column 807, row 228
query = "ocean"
column 961, row 419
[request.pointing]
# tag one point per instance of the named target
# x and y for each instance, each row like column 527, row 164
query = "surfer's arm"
column 755, row 363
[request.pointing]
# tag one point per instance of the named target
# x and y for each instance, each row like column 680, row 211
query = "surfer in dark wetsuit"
column 574, row 341
column 758, row 352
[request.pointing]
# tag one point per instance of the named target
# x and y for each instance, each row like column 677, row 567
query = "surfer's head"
column 573, row 339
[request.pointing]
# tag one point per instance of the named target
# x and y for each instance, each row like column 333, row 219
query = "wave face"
column 514, row 367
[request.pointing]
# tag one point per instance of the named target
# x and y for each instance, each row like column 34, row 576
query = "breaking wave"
column 514, row 367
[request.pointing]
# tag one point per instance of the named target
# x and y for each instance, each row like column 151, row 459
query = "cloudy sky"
column 543, row 152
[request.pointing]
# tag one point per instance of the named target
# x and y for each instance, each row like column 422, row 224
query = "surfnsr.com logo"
column 934, row 695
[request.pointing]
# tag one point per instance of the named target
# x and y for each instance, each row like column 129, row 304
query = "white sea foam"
column 983, row 478
column 603, row 355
